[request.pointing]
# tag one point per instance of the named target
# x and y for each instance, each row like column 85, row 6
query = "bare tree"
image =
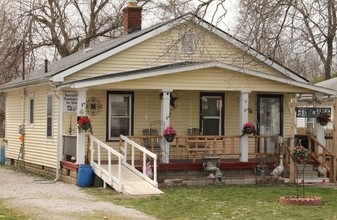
column 71, row 25
column 55, row 29
column 11, row 46
column 307, row 25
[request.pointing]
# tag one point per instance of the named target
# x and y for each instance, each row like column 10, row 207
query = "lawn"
column 227, row 202
column 9, row 214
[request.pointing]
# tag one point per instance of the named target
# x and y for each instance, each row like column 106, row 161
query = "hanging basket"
column 323, row 123
column 300, row 155
column 248, row 130
column 169, row 138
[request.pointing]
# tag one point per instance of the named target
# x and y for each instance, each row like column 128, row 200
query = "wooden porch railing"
column 195, row 147
column 99, row 148
column 130, row 149
column 319, row 153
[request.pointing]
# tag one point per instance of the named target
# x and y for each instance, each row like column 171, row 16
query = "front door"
column 211, row 113
column 270, row 118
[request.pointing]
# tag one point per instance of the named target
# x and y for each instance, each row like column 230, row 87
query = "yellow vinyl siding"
column 211, row 79
column 38, row 149
column 147, row 109
column 159, row 51
column 13, row 120
column 286, row 115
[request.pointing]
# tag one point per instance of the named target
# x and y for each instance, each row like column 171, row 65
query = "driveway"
column 40, row 199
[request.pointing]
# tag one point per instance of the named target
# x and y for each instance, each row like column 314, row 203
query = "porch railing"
column 130, row 150
column 195, row 147
column 98, row 162
column 319, row 153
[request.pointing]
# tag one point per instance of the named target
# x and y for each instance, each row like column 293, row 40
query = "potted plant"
column 169, row 133
column 84, row 124
column 248, row 128
column 323, row 118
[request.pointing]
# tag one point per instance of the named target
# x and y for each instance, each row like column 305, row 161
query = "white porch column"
column 165, row 117
column 81, row 111
column 244, row 101
column 319, row 132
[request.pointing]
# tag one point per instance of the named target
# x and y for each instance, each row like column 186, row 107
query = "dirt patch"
column 42, row 199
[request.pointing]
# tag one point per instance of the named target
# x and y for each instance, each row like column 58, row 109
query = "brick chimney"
column 132, row 16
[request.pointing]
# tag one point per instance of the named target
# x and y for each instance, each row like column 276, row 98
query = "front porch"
column 187, row 155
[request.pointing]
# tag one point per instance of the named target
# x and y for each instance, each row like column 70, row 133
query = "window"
column 211, row 113
column 31, row 109
column 310, row 124
column 49, row 115
column 188, row 43
column 120, row 114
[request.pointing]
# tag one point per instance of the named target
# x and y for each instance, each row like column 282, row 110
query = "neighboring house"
column 215, row 83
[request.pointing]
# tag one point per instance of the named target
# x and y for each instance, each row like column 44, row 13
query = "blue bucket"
column 85, row 176
column 3, row 155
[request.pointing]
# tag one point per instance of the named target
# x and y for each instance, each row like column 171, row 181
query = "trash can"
column 85, row 176
column 3, row 155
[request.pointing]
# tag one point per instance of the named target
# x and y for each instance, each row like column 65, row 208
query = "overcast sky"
column 225, row 23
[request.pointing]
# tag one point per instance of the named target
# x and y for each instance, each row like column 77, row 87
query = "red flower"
column 249, row 125
column 84, row 124
column 170, row 131
column 248, row 128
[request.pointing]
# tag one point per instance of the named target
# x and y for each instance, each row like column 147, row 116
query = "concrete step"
column 306, row 168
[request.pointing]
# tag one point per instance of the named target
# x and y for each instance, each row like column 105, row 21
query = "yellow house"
column 184, row 72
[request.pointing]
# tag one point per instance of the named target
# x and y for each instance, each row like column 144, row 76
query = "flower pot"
column 169, row 138
column 211, row 162
column 248, row 130
column 323, row 123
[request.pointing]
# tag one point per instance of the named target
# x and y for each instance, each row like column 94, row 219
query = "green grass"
column 227, row 202
column 9, row 214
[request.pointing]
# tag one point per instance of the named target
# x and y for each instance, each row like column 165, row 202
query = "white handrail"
column 146, row 154
column 111, row 152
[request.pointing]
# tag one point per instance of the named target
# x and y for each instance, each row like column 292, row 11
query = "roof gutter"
column 9, row 87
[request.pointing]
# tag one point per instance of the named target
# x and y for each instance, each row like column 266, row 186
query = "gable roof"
column 89, row 56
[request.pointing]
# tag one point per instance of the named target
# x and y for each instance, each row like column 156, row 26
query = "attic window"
column 188, row 43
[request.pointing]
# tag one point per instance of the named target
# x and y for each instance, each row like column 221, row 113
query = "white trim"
column 95, row 82
column 111, row 96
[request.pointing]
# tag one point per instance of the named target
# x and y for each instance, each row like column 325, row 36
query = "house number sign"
column 306, row 112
